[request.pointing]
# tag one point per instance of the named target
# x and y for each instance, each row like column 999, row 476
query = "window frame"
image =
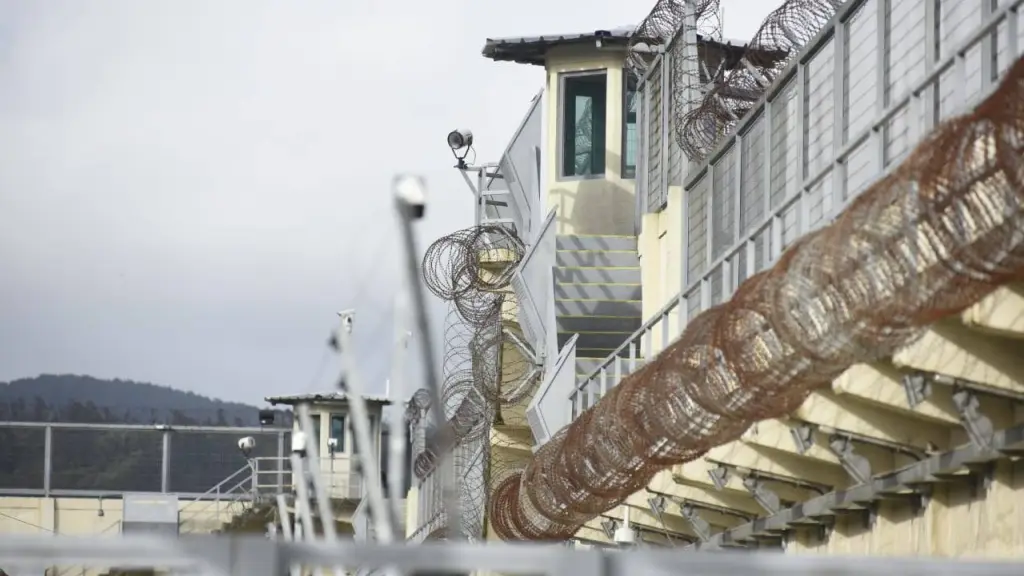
column 560, row 125
column 343, row 440
column 317, row 423
column 627, row 79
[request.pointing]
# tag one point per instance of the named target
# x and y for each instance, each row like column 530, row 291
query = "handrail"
column 188, row 510
column 144, row 427
column 216, row 487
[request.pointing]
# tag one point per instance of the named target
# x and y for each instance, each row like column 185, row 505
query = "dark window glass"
column 583, row 124
column 630, row 136
column 338, row 431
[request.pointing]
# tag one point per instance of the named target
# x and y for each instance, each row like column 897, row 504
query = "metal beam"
column 884, row 486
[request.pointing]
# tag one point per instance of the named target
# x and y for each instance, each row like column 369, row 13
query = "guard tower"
column 336, row 447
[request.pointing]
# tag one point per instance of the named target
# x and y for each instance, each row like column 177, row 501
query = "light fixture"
column 459, row 139
column 461, row 143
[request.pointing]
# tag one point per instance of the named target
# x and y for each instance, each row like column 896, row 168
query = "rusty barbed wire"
column 930, row 239
column 482, row 369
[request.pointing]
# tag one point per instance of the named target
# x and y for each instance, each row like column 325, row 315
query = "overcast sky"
column 189, row 189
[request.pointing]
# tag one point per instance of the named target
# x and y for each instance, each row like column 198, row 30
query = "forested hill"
column 73, row 398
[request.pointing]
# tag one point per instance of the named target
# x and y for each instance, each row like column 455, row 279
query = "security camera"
column 624, row 536
column 299, row 443
column 246, row 445
column 459, row 139
column 348, row 318
column 411, row 193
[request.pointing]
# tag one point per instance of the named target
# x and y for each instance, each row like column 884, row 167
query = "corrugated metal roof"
column 323, row 397
column 533, row 49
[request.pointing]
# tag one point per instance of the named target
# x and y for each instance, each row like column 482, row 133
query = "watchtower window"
column 630, row 104
column 583, row 119
column 338, row 431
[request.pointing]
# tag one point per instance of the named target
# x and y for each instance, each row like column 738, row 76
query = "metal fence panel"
column 533, row 284
column 546, row 412
column 520, row 169
column 114, row 460
column 199, row 460
column 22, row 458
column 655, row 121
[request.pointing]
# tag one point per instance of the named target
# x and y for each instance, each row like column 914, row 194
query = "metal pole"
column 396, row 452
column 351, row 385
column 312, row 463
column 47, row 458
column 302, row 495
column 410, row 190
column 165, row 463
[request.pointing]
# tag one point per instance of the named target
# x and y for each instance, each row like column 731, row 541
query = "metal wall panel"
column 521, row 171
column 656, row 123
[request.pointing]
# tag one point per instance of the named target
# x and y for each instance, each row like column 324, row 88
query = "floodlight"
column 459, row 139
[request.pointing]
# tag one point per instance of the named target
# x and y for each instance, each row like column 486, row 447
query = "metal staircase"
column 597, row 295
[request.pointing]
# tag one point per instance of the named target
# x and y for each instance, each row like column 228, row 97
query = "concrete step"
column 595, row 340
column 580, row 307
column 598, row 291
column 586, row 242
column 597, row 275
column 575, row 324
column 592, row 258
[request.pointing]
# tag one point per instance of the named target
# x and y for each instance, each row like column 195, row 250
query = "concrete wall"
column 590, row 206
column 81, row 516
column 660, row 244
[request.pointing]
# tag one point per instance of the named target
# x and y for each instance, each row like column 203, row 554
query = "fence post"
column 47, row 458
column 281, row 462
column 165, row 463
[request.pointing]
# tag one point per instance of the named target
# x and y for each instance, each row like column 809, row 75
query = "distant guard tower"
column 336, row 446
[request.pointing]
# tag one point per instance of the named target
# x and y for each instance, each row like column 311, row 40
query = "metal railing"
column 105, row 460
column 340, row 476
column 228, row 495
column 858, row 150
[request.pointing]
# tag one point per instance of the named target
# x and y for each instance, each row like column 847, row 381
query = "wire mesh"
column 200, row 460
column 928, row 240
column 22, row 458
column 111, row 460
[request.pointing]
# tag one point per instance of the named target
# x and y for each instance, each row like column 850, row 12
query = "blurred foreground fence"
column 99, row 459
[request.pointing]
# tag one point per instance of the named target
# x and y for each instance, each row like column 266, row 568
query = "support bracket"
column 763, row 495
column 803, row 437
column 918, row 387
column 719, row 476
column 857, row 466
column 978, row 426
column 701, row 527
column 609, row 526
